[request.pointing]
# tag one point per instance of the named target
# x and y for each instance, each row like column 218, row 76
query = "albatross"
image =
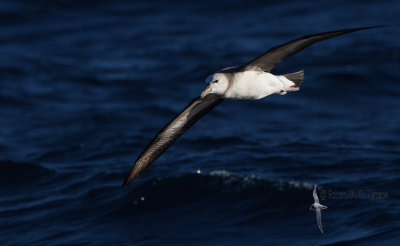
column 250, row 81
column 317, row 207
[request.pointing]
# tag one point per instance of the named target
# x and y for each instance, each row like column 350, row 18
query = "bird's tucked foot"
column 286, row 89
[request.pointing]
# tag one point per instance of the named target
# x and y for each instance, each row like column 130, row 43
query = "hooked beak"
column 206, row 91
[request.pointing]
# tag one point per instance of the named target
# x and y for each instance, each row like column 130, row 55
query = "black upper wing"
column 192, row 113
column 267, row 61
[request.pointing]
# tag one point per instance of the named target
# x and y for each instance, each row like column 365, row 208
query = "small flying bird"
column 251, row 81
column 317, row 208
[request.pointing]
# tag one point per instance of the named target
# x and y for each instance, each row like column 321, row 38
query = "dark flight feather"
column 268, row 60
column 192, row 113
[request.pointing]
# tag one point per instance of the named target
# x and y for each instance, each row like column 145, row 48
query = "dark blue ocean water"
column 85, row 85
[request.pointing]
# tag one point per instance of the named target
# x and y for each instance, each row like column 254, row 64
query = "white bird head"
column 218, row 83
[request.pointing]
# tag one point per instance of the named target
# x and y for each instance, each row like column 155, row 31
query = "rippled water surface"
column 85, row 85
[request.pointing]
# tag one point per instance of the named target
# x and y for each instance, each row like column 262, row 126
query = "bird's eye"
column 215, row 81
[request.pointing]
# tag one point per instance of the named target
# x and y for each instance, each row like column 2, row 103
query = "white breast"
column 256, row 85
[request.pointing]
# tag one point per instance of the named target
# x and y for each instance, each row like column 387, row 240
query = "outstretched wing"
column 316, row 200
column 192, row 113
column 318, row 212
column 267, row 61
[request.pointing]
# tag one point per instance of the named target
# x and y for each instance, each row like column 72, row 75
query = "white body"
column 316, row 206
column 248, row 84
column 256, row 85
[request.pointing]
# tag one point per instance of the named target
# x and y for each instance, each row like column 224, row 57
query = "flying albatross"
column 250, row 81
column 317, row 207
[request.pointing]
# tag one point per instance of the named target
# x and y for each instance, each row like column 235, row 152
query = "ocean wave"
column 217, row 188
column 12, row 172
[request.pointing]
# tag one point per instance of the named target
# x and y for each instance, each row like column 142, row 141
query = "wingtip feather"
column 126, row 183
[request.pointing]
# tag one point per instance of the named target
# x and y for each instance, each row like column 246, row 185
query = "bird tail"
column 296, row 78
